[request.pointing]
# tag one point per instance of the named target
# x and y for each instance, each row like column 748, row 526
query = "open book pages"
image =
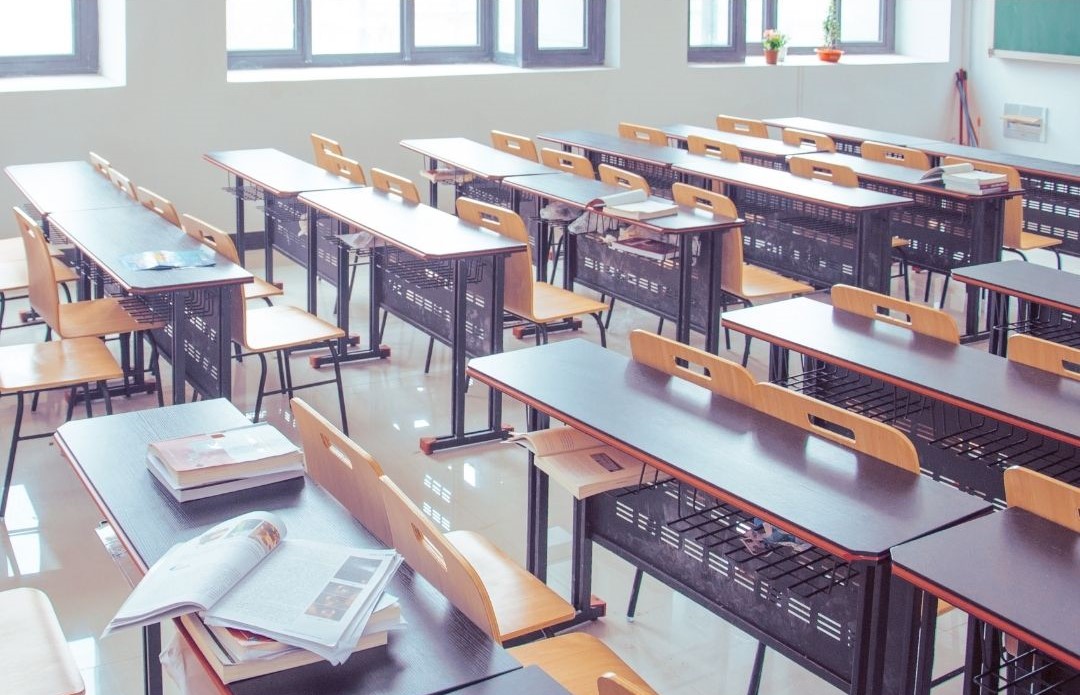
column 635, row 204
column 231, row 454
column 936, row 173
column 166, row 260
column 582, row 464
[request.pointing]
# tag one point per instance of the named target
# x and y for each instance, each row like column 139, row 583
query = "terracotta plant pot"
column 829, row 55
column 771, row 57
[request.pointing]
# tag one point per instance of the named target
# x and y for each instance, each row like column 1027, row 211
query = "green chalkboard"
column 1037, row 26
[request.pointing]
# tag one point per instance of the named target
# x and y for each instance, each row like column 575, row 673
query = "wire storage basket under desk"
column 1022, row 669
column 291, row 236
column 1052, row 208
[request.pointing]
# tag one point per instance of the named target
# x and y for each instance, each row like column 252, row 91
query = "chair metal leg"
column 3, row 308
column 67, row 291
column 631, row 606
column 541, row 328
column 746, row 351
column 755, row 673
column 262, row 386
column 427, row 360
column 11, row 452
column 382, row 324
column 104, row 389
column 155, row 371
column 280, row 369
column 88, row 401
column 603, row 331
column 944, row 291
column 610, row 310
column 284, row 356
column 73, row 395
column 660, row 326
column 1057, row 254
column 125, row 360
column 926, row 290
column 340, row 387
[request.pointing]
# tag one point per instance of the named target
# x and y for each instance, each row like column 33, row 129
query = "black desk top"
column 578, row 192
column 1014, row 570
column 524, row 681
column 1036, row 283
column 109, row 235
column 746, row 143
column 966, row 377
column 58, row 186
column 276, row 172
column 848, row 503
column 475, row 158
column 422, row 230
column 788, row 185
column 1031, row 164
column 839, row 130
column 439, row 650
column 613, row 144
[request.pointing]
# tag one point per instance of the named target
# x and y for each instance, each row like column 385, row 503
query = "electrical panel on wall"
column 1024, row 122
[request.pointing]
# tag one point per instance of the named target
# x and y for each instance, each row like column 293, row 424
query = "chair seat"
column 522, row 603
column 283, row 327
column 760, row 282
column 576, row 660
column 13, row 274
column 56, row 364
column 98, row 317
column 551, row 303
column 261, row 289
column 1029, row 241
column 35, row 659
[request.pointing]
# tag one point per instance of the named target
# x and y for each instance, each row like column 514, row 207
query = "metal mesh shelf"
column 1030, row 672
column 1052, row 208
column 861, row 394
column 660, row 178
column 252, row 193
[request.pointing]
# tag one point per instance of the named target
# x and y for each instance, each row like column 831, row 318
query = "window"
column 303, row 33
column 48, row 37
column 728, row 30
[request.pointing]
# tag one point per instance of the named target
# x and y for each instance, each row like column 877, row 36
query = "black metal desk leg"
column 537, row 520
column 433, row 185
column 868, row 661
column 151, row 659
column 268, row 226
column 714, row 241
column 998, row 317
column 686, row 269
column 226, row 296
column 177, row 354
column 313, row 264
column 778, row 364
column 240, row 231
column 581, row 565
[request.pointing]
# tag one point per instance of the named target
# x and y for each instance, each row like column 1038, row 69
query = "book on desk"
column 634, row 205
column 965, row 178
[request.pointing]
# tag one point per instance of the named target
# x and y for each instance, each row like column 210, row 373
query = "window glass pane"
column 36, row 27
column 755, row 17
column 355, row 26
column 259, row 25
column 507, row 32
column 561, row 24
column 801, row 20
column 860, row 20
column 709, row 22
column 446, row 23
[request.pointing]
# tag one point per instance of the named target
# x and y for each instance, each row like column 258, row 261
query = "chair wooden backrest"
column 895, row 154
column 723, row 377
column 343, row 469
column 41, row 275
column 809, row 168
column 710, row 147
column 162, row 206
column 805, row 138
column 514, row 144
column 518, row 283
column 1055, row 358
column 742, row 126
column 569, row 162
column 123, row 183
column 344, row 167
column 614, row 684
column 428, row 552
column 1014, row 206
column 613, row 176
column 100, row 164
column 731, row 250
column 1043, row 496
column 643, row 133
column 397, row 185
column 223, row 244
column 323, row 146
column 838, row 425
column 916, row 317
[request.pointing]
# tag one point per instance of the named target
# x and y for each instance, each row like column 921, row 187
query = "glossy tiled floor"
column 48, row 539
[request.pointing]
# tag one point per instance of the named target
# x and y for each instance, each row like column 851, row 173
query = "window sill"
column 50, row 83
column 380, row 72
column 812, row 60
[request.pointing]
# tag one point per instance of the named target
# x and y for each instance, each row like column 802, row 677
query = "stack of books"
column 203, row 465
column 965, row 178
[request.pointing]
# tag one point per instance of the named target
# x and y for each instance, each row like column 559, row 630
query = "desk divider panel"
column 1052, row 208
column 660, row 177
column 291, row 236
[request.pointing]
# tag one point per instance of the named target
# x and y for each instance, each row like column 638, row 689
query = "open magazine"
column 243, row 574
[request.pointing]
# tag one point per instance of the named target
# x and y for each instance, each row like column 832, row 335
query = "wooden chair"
column 643, row 133
column 1055, row 358
column 323, row 146
column 344, row 167
column 223, row 244
column 155, row 203
column 539, row 303
column 100, row 164
column 614, row 176
column 895, row 154
column 742, row 126
column 744, row 282
column 583, row 665
column 33, row 368
column 15, row 278
column 398, row 185
column 1043, row 496
column 810, row 140
column 514, row 144
column 710, row 147
column 841, row 175
column 123, row 183
column 478, row 578
column 915, row 317
column 343, row 469
column 569, row 162
column 36, row 659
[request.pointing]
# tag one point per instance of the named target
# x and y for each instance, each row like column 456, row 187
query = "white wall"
column 176, row 103
column 995, row 81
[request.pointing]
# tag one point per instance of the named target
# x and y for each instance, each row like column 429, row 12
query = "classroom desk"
column 439, row 650
column 1049, row 301
column 58, row 186
column 760, row 151
column 848, row 138
column 824, row 607
column 437, row 273
column 1014, row 573
column 530, row 680
column 811, row 230
column 196, row 302
column 687, row 293
column 653, row 162
column 970, row 414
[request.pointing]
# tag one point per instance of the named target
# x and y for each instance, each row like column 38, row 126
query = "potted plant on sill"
column 772, row 42
column 831, row 30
